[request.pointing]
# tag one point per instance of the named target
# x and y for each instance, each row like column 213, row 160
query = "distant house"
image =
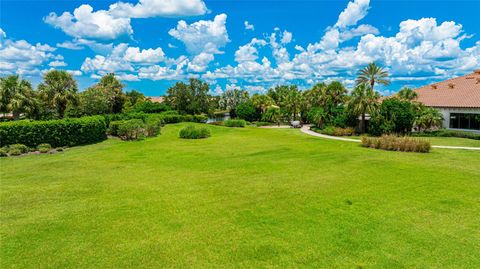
column 156, row 99
column 458, row 99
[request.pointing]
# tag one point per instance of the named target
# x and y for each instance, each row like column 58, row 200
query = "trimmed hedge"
column 395, row 143
column 449, row 133
column 335, row 131
column 57, row 133
column 235, row 123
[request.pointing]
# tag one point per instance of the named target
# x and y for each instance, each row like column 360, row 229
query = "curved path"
column 306, row 129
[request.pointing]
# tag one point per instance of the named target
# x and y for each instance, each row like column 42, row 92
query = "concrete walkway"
column 306, row 129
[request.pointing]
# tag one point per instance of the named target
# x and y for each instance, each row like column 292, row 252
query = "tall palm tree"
column 16, row 96
column 372, row 74
column 363, row 100
column 407, row 94
column 57, row 90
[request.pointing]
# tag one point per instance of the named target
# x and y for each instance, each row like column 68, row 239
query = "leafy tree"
column 94, row 101
column 57, row 90
column 132, row 99
column 16, row 96
column 394, row 116
column 279, row 94
column 112, row 88
column 407, row 94
column 292, row 102
column 248, row 111
column 230, row 99
column 429, row 118
column 363, row 100
column 189, row 98
column 151, row 107
column 371, row 75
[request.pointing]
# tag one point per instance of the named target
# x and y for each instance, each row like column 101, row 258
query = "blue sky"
column 253, row 45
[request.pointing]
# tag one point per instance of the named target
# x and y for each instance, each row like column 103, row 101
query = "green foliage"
column 112, row 88
column 16, row 96
column 3, row 152
column 449, row 133
column 272, row 114
column 394, row 116
column 429, row 118
column 189, row 98
column 194, row 132
column 15, row 152
column 152, row 126
column 336, row 131
column 317, row 116
column 57, row 90
column 263, row 123
column 235, row 123
column 151, row 107
column 66, row 132
column 44, row 147
column 395, row 143
column 248, row 111
column 363, row 101
column 407, row 94
column 113, row 127
column 20, row 147
column 231, row 99
column 371, row 75
column 131, row 129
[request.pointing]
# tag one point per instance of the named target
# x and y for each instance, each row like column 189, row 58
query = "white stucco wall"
column 446, row 114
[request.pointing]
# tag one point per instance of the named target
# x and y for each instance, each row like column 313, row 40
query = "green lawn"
column 243, row 198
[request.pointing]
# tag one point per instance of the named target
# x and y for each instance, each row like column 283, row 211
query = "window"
column 465, row 121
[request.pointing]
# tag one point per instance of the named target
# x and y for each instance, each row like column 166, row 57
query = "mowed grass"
column 242, row 198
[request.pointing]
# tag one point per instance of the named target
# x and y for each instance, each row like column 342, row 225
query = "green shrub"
column 152, row 127
column 44, row 148
column 15, row 152
column 263, row 123
column 336, row 131
column 151, row 107
column 131, row 129
column 193, row 132
column 113, row 127
column 3, row 152
column 450, row 133
column 395, row 143
column 21, row 147
column 217, row 123
column 65, row 132
column 248, row 111
column 235, row 123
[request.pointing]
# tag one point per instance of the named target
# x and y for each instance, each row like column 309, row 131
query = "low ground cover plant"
column 235, row 123
column 263, row 123
column 395, row 143
column 194, row 132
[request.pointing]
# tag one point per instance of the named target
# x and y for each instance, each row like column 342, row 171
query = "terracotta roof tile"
column 461, row 91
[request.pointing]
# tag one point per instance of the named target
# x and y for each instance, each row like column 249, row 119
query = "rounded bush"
column 20, row 147
column 192, row 132
column 15, row 152
column 44, row 148
column 3, row 152
column 131, row 129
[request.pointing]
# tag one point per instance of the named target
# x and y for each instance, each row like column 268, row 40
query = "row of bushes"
column 57, row 133
column 165, row 117
column 395, row 143
column 335, row 131
column 20, row 149
column 449, row 133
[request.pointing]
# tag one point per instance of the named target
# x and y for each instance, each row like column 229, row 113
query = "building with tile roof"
column 458, row 99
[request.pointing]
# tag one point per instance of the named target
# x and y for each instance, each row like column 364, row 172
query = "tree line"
column 325, row 104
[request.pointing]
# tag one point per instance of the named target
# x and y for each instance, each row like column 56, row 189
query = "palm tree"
column 58, row 89
column 407, row 94
column 16, row 96
column 371, row 75
column 363, row 100
column 262, row 102
column 429, row 118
